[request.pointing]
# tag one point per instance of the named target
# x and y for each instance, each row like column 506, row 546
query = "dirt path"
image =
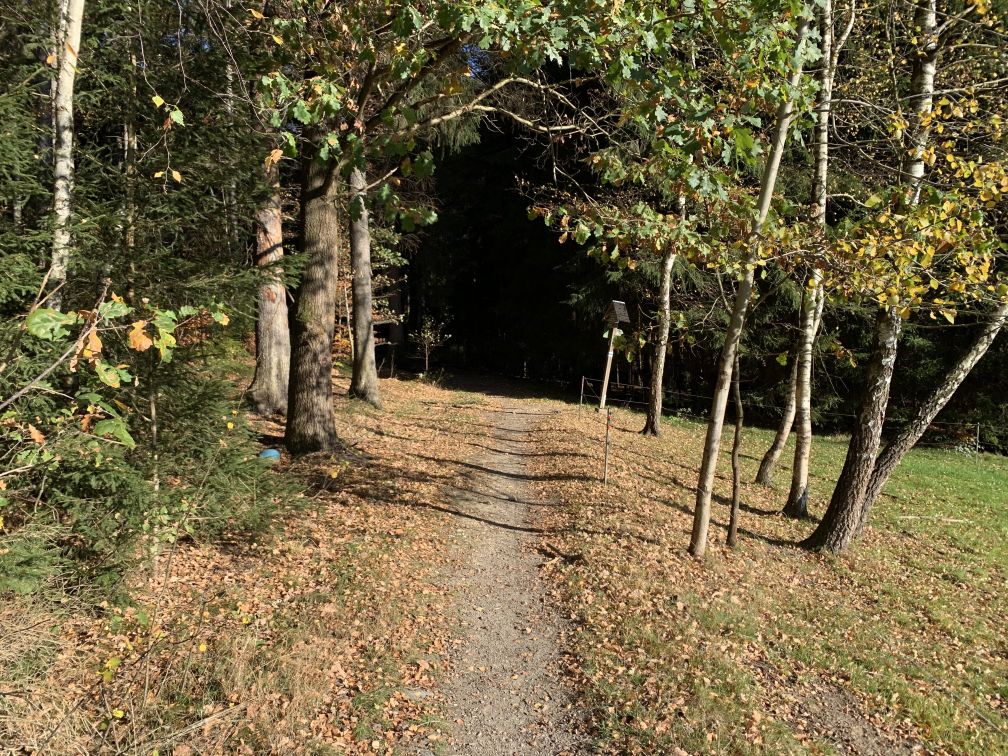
column 505, row 695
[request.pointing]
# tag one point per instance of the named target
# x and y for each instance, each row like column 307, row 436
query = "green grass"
column 907, row 629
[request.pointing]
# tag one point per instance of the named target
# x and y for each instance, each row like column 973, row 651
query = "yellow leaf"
column 93, row 347
column 157, row 100
column 159, row 174
column 256, row 14
column 51, row 59
column 278, row 39
column 138, row 338
column 177, row 176
column 118, row 713
column 273, row 157
column 36, row 434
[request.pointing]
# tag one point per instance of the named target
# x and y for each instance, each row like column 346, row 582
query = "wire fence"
column 961, row 436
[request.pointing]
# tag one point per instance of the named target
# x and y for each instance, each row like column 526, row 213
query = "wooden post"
column 582, row 390
column 608, row 367
column 605, row 464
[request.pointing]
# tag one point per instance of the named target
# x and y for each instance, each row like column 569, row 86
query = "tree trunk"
column 310, row 422
column 130, row 145
column 712, row 443
column 736, row 447
column 652, row 425
column 813, row 297
column 929, row 409
column 797, row 503
column 921, row 96
column 364, row 384
column 842, row 522
column 63, row 159
column 268, row 392
column 766, row 469
column 846, row 516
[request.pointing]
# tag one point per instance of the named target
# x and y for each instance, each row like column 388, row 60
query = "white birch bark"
column 652, row 425
column 904, row 441
column 715, row 423
column 63, row 158
column 845, row 516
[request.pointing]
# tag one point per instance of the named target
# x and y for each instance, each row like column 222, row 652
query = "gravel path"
column 506, row 694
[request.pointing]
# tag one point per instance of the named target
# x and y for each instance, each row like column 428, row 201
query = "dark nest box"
column 617, row 314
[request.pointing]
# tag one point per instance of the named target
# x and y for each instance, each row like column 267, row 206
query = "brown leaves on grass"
column 327, row 634
column 733, row 654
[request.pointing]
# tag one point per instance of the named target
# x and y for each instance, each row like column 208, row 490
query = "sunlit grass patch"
column 906, row 630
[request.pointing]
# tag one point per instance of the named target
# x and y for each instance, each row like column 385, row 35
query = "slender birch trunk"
column 813, row 297
column 768, row 464
column 904, row 441
column 268, row 392
column 797, row 502
column 712, row 443
column 130, row 175
column 845, row 517
column 736, row 448
column 652, row 426
column 71, row 21
column 364, row 383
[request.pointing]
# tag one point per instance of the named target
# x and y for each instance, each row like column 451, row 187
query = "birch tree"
column 841, row 523
column 897, row 447
column 71, row 21
column 768, row 464
column 712, row 442
column 932, row 240
column 652, row 425
column 812, row 296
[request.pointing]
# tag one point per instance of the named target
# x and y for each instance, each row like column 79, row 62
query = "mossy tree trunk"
column 310, row 422
column 268, row 392
column 364, row 384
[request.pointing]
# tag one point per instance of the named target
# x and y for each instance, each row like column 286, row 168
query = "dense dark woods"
column 210, row 211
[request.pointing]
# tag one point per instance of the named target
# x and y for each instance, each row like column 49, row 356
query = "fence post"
column 582, row 391
column 605, row 467
column 608, row 367
column 976, row 455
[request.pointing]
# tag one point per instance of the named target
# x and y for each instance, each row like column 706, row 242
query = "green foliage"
column 107, row 451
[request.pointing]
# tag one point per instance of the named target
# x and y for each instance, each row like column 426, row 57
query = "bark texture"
column 652, row 426
column 797, row 502
column 842, row 522
column 310, row 422
column 904, row 441
column 364, row 384
column 268, row 392
column 736, row 448
column 847, row 513
column 715, row 423
column 71, row 21
column 813, row 297
column 925, row 64
column 764, row 476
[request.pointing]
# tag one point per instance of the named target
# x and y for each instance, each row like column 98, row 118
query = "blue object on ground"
column 269, row 454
